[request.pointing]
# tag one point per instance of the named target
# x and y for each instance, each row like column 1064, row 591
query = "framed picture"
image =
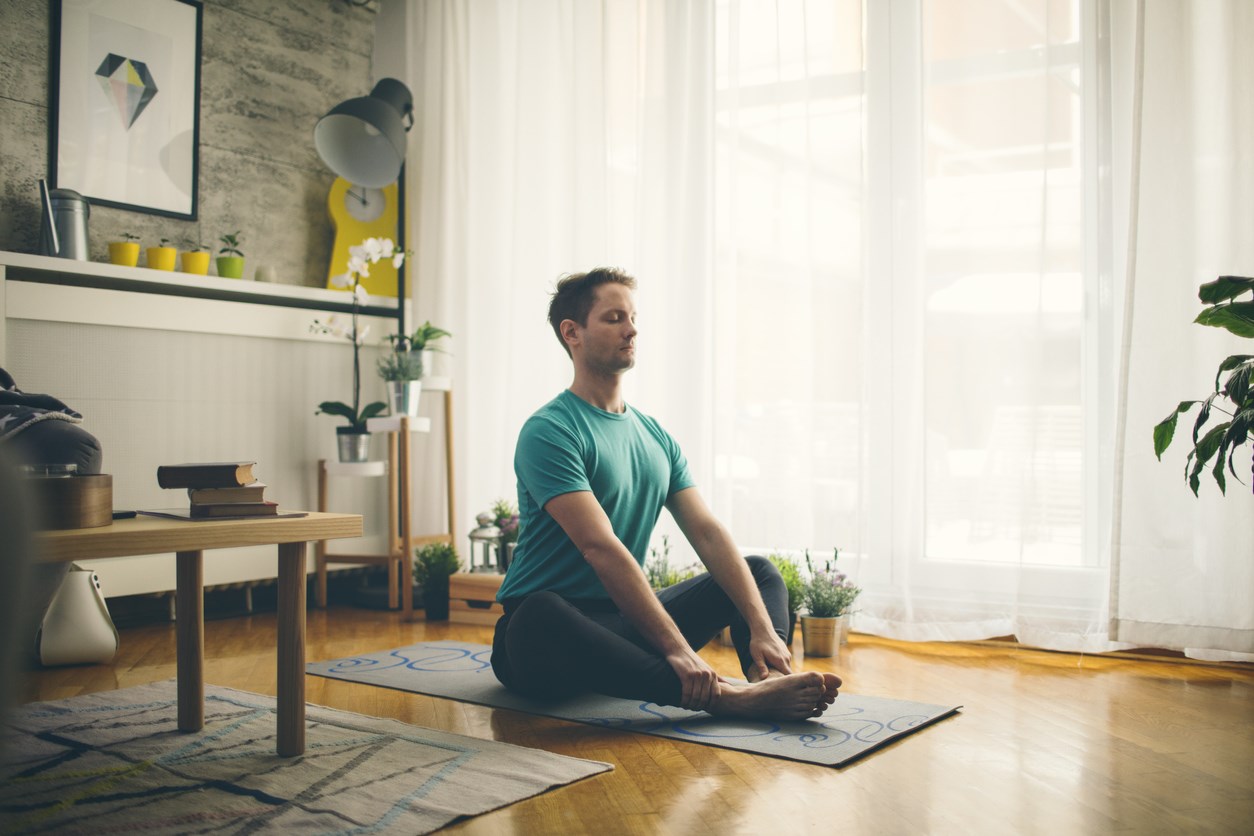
column 125, row 109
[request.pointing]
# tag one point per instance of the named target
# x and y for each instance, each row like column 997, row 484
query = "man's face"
column 608, row 342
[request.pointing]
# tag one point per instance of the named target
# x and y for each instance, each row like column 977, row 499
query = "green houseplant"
column 1234, row 397
column 434, row 563
column 421, row 341
column 659, row 571
column 795, row 584
column 401, row 370
column 505, row 518
column 230, row 257
column 828, row 595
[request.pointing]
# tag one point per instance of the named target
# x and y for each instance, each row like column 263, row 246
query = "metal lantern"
column 484, row 542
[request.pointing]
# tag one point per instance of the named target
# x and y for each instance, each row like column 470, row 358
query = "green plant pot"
column 230, row 266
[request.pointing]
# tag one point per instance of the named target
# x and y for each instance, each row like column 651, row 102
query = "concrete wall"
column 269, row 69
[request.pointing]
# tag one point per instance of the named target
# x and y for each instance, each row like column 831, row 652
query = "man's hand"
column 769, row 653
column 698, row 681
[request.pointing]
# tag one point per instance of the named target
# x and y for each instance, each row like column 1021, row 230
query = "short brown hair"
column 577, row 292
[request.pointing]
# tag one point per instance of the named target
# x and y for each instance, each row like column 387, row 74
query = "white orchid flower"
column 361, row 335
column 373, row 248
column 398, row 260
column 361, row 294
column 386, row 248
column 343, row 280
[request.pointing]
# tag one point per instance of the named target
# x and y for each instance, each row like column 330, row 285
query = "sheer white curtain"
column 874, row 253
column 1184, row 577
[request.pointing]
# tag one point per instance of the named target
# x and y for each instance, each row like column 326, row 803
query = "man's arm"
column 718, row 552
column 584, row 521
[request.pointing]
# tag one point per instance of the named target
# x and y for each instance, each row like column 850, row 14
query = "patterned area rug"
column 852, row 728
column 115, row 761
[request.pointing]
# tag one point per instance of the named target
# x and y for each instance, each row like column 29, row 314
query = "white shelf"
column 392, row 423
column 44, row 269
column 357, row 468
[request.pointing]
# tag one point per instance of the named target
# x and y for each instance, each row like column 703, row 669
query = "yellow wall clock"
column 359, row 213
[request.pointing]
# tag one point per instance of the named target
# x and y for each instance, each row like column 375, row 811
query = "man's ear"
column 570, row 331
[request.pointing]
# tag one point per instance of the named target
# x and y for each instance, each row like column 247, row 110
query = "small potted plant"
column 195, row 258
column 423, row 339
column 434, row 563
column 125, row 252
column 658, row 569
column 162, row 256
column 354, row 440
column 401, row 370
column 795, row 584
column 828, row 596
column 505, row 518
column 230, row 257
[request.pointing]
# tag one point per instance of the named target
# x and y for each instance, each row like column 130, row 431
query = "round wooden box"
column 73, row 501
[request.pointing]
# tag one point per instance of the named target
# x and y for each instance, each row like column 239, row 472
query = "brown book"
column 233, row 509
column 205, row 475
column 208, row 496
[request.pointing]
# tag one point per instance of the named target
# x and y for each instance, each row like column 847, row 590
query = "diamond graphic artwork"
column 128, row 84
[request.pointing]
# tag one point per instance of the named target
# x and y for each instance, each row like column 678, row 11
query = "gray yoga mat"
column 853, row 727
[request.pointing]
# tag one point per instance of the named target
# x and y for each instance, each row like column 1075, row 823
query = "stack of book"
column 217, row 490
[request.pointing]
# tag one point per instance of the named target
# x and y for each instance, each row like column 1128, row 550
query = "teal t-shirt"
column 629, row 463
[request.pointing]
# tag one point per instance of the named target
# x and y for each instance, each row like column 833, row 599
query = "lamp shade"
column 363, row 139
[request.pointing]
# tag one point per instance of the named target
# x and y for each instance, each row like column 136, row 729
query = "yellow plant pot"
column 824, row 636
column 125, row 253
column 196, row 262
column 230, row 266
column 162, row 258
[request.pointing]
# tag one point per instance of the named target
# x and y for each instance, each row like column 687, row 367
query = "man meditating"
column 593, row 475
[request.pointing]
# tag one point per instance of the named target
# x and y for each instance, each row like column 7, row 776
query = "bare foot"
column 785, row 697
column 831, row 687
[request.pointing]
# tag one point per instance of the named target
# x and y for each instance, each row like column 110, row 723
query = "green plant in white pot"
column 401, row 369
column 828, row 597
column 1233, row 398
column 423, row 340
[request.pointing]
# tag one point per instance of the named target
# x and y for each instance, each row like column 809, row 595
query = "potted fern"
column 1234, row 397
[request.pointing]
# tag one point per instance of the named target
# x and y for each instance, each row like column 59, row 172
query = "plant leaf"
column 1237, row 317
column 1166, row 428
column 370, row 410
column 337, row 408
column 1205, row 450
column 1231, row 363
column 1237, row 386
column 1237, row 434
column 1202, row 417
column 1224, row 288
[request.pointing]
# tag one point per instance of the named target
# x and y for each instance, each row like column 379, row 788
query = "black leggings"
column 548, row 647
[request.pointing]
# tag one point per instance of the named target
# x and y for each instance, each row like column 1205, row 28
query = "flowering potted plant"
column 354, row 439
column 828, row 595
column 505, row 518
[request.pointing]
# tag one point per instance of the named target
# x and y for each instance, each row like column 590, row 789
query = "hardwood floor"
column 1046, row 742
